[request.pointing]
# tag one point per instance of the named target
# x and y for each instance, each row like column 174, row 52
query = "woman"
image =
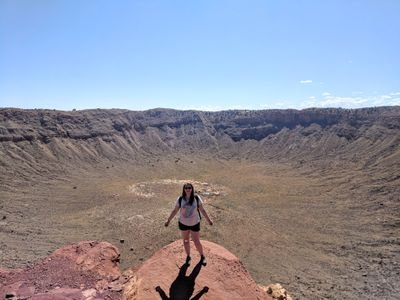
column 190, row 206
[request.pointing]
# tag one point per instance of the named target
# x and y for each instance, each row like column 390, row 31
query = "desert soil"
column 321, row 235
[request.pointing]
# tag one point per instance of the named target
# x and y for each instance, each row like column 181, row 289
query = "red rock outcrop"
column 86, row 270
column 90, row 271
column 224, row 277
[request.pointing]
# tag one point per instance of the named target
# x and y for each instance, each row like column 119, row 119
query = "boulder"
column 86, row 270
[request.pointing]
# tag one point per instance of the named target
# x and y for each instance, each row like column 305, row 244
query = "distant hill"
column 48, row 143
column 45, row 139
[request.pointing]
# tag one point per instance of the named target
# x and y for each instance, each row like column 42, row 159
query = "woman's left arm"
column 204, row 213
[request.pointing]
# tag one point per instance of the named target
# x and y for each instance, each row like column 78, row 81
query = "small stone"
column 4, row 217
column 90, row 293
column 122, row 241
column 116, row 288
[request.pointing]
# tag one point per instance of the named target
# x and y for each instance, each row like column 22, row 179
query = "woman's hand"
column 210, row 222
column 166, row 224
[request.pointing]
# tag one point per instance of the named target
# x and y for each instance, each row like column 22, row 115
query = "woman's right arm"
column 172, row 215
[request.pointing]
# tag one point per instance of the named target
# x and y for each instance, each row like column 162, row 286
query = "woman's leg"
column 196, row 239
column 186, row 241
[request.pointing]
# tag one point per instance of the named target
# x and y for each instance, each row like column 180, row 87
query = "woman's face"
column 188, row 190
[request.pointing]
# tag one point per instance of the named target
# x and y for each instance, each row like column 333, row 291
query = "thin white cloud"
column 342, row 101
column 323, row 100
column 395, row 94
column 279, row 104
column 386, row 100
column 308, row 81
column 395, row 101
column 329, row 100
column 217, row 107
column 206, row 108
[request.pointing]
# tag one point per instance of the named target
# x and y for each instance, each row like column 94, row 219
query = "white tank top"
column 188, row 214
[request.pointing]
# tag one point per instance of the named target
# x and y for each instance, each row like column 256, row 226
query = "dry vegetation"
column 312, row 236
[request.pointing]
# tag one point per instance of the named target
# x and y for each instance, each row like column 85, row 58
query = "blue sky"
column 207, row 55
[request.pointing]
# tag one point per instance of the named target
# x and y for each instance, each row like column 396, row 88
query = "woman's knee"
column 196, row 239
column 197, row 243
column 186, row 237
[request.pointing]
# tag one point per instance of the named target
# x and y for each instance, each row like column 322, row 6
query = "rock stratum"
column 369, row 136
column 90, row 270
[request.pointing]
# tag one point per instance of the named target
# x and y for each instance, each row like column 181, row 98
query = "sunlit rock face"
column 166, row 274
column 86, row 270
column 90, row 270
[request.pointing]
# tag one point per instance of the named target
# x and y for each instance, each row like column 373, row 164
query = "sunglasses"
column 188, row 187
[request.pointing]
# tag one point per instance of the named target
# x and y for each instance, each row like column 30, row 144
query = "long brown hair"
column 191, row 199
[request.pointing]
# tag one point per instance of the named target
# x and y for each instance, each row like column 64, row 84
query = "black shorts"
column 194, row 228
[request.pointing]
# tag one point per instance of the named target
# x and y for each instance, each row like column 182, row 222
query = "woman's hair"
column 191, row 199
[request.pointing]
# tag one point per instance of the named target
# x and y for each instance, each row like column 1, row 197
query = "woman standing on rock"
column 190, row 206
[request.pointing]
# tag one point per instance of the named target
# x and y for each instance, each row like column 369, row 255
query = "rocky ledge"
column 90, row 270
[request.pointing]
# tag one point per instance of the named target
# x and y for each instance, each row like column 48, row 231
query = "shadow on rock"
column 183, row 286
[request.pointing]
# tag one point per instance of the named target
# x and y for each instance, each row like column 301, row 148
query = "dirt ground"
column 322, row 235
